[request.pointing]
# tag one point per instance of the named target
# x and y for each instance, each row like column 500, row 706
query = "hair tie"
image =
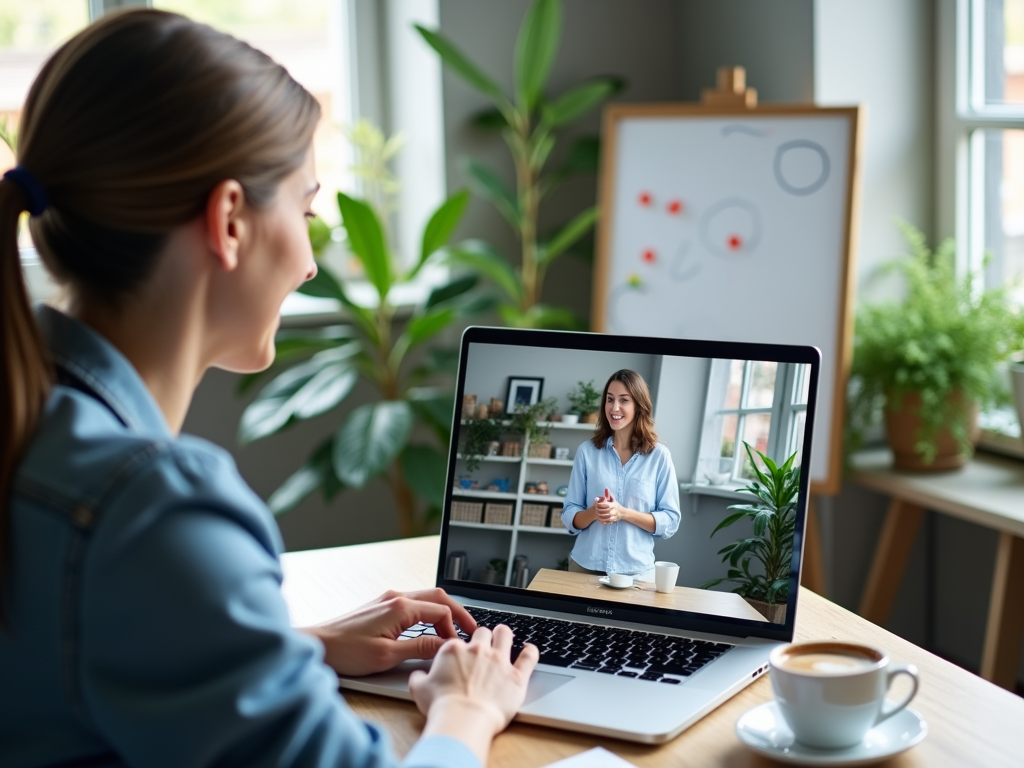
column 37, row 200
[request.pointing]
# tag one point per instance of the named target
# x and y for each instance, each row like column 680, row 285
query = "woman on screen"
column 168, row 171
column 623, row 491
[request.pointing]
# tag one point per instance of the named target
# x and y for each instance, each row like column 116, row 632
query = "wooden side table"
column 989, row 491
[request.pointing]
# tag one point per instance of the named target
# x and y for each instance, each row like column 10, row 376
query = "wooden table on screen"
column 644, row 593
column 971, row 722
column 988, row 491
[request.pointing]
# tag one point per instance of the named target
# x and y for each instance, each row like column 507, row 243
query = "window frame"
column 783, row 413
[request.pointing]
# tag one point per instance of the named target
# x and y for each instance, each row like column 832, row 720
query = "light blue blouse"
column 145, row 619
column 647, row 483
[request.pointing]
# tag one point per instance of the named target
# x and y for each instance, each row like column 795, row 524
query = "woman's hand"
column 607, row 509
column 472, row 690
column 366, row 640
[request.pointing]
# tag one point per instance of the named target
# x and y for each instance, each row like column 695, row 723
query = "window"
column 760, row 403
column 306, row 39
column 29, row 33
column 989, row 133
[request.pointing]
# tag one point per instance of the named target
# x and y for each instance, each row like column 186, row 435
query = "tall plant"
column 773, row 514
column 320, row 368
column 529, row 122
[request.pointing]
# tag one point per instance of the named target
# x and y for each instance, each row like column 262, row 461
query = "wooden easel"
column 730, row 100
column 732, row 91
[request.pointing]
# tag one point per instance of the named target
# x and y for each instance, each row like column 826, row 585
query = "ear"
column 225, row 222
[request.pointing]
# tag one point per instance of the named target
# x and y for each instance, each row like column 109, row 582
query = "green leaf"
column 366, row 240
column 584, row 155
column 489, row 186
column 572, row 232
column 433, row 322
column 458, row 63
column 552, row 318
column 319, row 235
column 440, row 227
column 301, row 392
column 728, row 521
column 326, row 285
column 536, row 47
column 489, row 120
column 435, row 407
column 312, row 475
column 426, row 470
column 369, row 440
column 452, row 290
column 481, row 257
column 579, row 100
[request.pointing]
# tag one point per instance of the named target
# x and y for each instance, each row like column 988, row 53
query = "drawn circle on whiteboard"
column 629, row 309
column 731, row 226
column 801, row 167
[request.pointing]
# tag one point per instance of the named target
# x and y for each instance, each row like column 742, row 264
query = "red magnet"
column 649, row 256
column 675, row 207
column 735, row 242
column 645, row 198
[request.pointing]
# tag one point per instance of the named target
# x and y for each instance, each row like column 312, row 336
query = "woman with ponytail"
column 167, row 170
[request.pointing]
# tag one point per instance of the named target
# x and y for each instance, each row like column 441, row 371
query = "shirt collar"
column 96, row 367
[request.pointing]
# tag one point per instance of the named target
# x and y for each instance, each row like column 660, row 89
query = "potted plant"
column 476, row 436
column 530, row 121
column 529, row 421
column 929, row 360
column 585, row 400
column 316, row 369
column 773, row 513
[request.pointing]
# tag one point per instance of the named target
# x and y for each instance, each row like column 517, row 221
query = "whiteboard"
column 737, row 226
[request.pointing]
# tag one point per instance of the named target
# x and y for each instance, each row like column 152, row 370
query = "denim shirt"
column 145, row 619
column 646, row 483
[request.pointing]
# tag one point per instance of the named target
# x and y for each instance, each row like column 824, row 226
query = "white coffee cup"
column 665, row 575
column 832, row 693
column 620, row 579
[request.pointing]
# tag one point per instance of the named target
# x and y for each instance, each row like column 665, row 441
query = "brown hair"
column 128, row 128
column 644, row 437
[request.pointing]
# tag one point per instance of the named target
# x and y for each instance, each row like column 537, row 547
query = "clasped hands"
column 607, row 509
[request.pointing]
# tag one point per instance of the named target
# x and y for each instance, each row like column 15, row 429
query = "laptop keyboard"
column 610, row 650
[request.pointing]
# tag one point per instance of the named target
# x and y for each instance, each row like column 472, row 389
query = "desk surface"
column 644, row 593
column 987, row 491
column 971, row 722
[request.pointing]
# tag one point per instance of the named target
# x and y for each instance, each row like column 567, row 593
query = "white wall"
column 490, row 366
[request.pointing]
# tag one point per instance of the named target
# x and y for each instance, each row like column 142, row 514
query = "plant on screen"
column 773, row 514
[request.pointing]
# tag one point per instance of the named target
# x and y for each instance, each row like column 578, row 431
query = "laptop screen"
column 645, row 479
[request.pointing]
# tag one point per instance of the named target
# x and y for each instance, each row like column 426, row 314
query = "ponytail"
column 25, row 370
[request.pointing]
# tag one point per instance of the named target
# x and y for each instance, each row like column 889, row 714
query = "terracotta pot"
column 589, row 418
column 902, row 427
column 774, row 612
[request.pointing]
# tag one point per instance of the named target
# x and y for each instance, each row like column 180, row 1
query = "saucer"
column 763, row 730
column 604, row 580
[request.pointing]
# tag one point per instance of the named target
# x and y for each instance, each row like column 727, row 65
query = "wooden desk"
column 971, row 722
column 644, row 593
column 988, row 491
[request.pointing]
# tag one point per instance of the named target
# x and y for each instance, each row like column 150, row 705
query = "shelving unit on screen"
column 534, row 525
column 732, row 222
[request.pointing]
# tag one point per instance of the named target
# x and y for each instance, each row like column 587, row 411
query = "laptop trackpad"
column 395, row 682
column 543, row 683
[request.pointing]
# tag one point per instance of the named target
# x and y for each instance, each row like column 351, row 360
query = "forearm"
column 584, row 517
column 643, row 520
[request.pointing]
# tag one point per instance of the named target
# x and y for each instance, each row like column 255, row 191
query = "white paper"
column 598, row 757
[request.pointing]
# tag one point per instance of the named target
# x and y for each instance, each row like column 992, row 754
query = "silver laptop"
column 632, row 663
